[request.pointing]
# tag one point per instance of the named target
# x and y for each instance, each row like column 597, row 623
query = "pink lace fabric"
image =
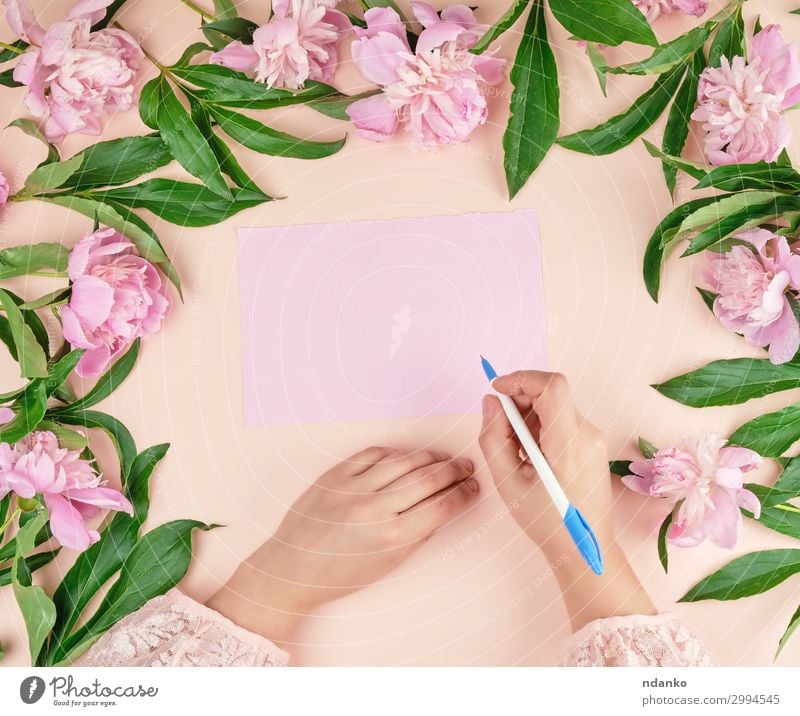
column 636, row 640
column 174, row 630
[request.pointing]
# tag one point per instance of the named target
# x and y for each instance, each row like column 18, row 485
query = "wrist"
column 258, row 603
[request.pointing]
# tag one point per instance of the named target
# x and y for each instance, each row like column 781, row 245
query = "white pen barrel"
column 537, row 459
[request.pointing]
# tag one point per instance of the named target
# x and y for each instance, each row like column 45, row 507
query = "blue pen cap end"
column 584, row 539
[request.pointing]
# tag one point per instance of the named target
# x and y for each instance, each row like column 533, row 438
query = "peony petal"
column 723, row 524
column 92, row 300
column 425, row 13
column 236, row 56
column 383, row 19
column 104, row 497
column 749, row 501
column 784, row 336
column 377, row 58
column 95, row 10
column 436, row 35
column 93, row 362
column 67, row 524
column 491, row 69
column 22, row 21
column 373, row 118
column 740, row 458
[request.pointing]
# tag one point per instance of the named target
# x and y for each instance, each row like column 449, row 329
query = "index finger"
column 548, row 392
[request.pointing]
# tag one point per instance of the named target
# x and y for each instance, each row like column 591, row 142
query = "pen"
column 576, row 525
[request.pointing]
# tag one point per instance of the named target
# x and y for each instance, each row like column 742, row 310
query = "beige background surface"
column 478, row 592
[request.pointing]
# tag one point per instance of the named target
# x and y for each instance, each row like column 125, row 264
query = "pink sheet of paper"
column 386, row 319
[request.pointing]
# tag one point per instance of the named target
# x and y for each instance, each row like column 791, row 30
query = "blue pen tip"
column 490, row 372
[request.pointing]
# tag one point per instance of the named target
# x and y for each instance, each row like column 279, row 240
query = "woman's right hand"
column 576, row 451
column 354, row 525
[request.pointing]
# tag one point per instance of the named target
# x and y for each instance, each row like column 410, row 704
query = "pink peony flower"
column 751, row 283
column 437, row 92
column 653, row 9
column 297, row 44
column 74, row 76
column 707, row 478
column 5, row 190
column 72, row 490
column 741, row 103
column 117, row 297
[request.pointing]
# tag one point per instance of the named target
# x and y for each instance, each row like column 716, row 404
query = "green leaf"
column 32, row 359
column 52, row 176
column 769, row 496
column 224, row 9
column 666, row 56
column 752, row 213
column 38, row 611
column 794, row 622
column 784, row 519
column 155, row 565
column 227, row 87
column 533, row 124
column 772, row 434
column 118, row 161
column 679, row 118
column 61, row 370
column 708, row 297
column 30, row 410
column 58, row 296
column 31, row 258
column 227, row 161
column 32, row 130
column 662, row 237
column 183, row 203
column 8, row 55
column 691, row 168
column 620, row 467
column 789, row 479
column 647, row 448
column 7, row 79
column 187, row 144
column 150, row 99
column 70, row 439
column 146, row 245
column 94, row 567
column 32, row 563
column 131, row 218
column 621, row 130
column 722, row 206
column 111, row 11
column 730, row 382
column 504, row 23
column 336, row 106
column 761, row 175
column 260, row 138
column 729, row 41
column 663, row 554
column 108, row 382
column 236, row 28
column 598, row 64
column 610, row 22
column 746, row 576
column 191, row 52
column 119, row 434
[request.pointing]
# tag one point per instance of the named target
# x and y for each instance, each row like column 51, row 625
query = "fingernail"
column 465, row 463
column 472, row 485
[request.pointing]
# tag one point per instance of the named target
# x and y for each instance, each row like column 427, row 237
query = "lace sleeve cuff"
column 636, row 640
column 175, row 630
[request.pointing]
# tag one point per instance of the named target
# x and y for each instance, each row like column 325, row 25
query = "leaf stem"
column 205, row 15
column 16, row 513
column 788, row 508
column 12, row 48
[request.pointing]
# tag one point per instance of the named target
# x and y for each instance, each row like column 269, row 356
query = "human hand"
column 358, row 522
column 576, row 451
